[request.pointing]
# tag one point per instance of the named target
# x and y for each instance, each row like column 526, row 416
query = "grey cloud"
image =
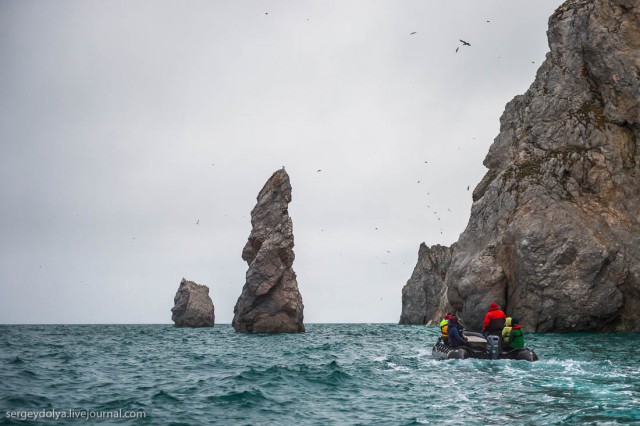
column 124, row 123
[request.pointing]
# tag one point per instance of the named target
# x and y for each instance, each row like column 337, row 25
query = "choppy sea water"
column 332, row 374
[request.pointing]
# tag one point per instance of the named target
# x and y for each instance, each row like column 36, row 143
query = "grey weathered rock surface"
column 193, row 306
column 424, row 292
column 270, row 301
column 554, row 234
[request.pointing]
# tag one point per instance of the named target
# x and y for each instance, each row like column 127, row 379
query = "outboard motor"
column 494, row 346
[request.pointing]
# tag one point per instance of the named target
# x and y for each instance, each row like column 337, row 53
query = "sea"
column 334, row 374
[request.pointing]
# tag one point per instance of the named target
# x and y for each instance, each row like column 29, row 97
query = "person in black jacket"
column 456, row 333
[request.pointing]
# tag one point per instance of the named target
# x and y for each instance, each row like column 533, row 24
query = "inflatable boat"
column 478, row 346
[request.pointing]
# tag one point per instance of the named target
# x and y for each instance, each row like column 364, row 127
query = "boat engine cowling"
column 494, row 346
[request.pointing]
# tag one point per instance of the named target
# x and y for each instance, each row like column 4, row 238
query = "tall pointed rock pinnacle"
column 270, row 301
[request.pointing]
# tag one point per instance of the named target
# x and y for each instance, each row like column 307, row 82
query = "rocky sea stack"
column 270, row 301
column 426, row 285
column 193, row 306
column 554, row 234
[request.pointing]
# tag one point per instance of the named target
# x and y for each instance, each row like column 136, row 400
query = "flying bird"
column 413, row 33
column 467, row 187
column 198, row 222
column 457, row 48
column 319, row 170
column 465, row 43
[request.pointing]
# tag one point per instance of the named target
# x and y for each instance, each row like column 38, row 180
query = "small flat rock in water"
column 193, row 306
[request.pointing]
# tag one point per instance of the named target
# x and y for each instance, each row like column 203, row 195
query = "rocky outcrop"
column 193, row 306
column 270, row 301
column 554, row 234
column 424, row 295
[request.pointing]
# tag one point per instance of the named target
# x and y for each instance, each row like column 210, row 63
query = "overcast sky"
column 136, row 135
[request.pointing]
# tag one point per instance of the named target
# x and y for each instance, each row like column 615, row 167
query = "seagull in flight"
column 457, row 48
column 415, row 32
column 465, row 43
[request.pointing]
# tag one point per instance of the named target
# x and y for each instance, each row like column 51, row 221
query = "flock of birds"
column 464, row 44
column 376, row 228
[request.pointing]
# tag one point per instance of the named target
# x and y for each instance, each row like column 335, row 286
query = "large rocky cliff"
column 554, row 234
column 270, row 301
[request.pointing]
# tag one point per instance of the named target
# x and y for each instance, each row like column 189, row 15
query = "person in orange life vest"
column 456, row 333
column 493, row 321
column 444, row 328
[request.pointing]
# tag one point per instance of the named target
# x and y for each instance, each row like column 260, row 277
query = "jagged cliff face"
column 270, row 301
column 554, row 235
column 424, row 291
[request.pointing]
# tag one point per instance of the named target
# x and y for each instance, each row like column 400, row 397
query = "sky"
column 135, row 137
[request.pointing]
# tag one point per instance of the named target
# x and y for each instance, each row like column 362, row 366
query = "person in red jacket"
column 493, row 321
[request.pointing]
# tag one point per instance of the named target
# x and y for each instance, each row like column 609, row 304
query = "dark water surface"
column 333, row 374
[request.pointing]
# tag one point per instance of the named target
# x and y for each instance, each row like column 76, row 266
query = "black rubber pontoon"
column 481, row 347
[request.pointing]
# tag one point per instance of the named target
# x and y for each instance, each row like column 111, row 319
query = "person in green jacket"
column 506, row 331
column 516, row 336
